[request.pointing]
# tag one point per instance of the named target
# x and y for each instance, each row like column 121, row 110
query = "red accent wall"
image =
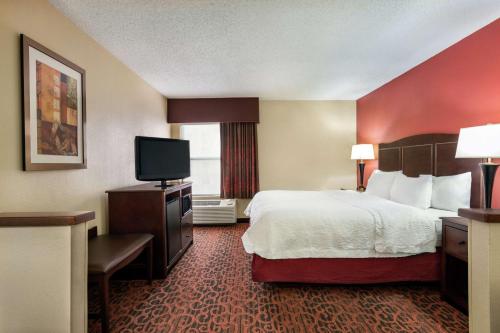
column 459, row 87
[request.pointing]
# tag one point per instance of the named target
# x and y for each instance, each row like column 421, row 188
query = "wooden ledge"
column 481, row 214
column 45, row 219
column 152, row 187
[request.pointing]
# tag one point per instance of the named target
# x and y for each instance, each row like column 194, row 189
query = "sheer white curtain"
column 204, row 145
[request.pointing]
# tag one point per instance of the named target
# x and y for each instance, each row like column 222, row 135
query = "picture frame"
column 53, row 105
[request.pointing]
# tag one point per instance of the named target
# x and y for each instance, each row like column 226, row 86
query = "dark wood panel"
column 418, row 160
column 454, row 266
column 153, row 187
column 390, row 159
column 92, row 232
column 174, row 243
column 481, row 214
column 143, row 209
column 43, row 219
column 187, row 229
column 219, row 110
column 141, row 212
column 431, row 154
column 421, row 139
column 457, row 222
column 456, row 242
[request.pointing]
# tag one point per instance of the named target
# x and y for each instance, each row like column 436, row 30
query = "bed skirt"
column 422, row 267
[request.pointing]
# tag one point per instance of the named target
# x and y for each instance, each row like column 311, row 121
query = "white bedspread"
column 335, row 224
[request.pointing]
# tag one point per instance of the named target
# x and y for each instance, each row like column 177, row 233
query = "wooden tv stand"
column 148, row 208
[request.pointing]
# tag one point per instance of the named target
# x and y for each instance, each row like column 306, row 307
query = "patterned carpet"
column 210, row 290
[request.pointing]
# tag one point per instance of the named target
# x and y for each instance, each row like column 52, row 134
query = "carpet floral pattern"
column 211, row 290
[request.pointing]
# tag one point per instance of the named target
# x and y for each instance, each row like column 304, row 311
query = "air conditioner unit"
column 214, row 211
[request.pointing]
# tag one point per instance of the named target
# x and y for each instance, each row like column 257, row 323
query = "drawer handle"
column 461, row 243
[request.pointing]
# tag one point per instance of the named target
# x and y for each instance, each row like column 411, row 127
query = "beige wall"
column 304, row 145
column 120, row 106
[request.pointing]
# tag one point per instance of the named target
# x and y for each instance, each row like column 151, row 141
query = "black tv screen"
column 161, row 159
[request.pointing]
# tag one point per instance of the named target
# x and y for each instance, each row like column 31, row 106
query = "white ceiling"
column 281, row 49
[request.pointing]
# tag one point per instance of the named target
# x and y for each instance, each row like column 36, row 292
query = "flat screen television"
column 161, row 159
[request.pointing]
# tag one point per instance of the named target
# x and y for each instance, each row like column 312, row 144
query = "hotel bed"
column 351, row 237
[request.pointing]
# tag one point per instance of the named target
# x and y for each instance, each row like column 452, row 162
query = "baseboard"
column 243, row 220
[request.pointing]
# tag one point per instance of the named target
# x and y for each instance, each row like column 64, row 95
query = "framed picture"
column 53, row 109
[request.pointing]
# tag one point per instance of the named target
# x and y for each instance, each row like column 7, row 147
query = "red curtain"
column 239, row 170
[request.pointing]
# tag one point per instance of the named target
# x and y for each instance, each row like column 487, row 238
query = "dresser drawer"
column 455, row 242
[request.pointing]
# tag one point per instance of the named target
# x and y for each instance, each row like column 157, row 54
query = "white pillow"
column 451, row 192
column 412, row 191
column 380, row 183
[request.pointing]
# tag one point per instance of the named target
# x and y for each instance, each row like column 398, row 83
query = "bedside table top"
column 481, row 214
column 459, row 222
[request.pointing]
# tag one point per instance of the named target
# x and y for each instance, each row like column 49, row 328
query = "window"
column 204, row 148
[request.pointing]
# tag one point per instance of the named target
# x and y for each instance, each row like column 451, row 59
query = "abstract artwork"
column 54, row 110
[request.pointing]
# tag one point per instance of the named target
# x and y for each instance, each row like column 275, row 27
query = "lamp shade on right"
column 479, row 142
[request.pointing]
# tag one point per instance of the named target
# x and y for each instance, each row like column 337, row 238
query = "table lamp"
column 481, row 142
column 362, row 152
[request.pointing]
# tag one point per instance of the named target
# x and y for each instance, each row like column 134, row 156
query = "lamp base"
column 361, row 166
column 489, row 170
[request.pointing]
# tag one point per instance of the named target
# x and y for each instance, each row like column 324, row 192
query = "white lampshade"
column 479, row 142
column 362, row 152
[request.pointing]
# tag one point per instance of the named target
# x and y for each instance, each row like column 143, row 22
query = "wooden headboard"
column 430, row 154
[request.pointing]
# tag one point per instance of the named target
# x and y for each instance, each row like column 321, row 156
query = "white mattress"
column 437, row 214
column 337, row 224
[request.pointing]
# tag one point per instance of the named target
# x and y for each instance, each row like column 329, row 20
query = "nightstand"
column 454, row 262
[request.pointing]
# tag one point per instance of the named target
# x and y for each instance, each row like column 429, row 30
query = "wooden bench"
column 109, row 253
